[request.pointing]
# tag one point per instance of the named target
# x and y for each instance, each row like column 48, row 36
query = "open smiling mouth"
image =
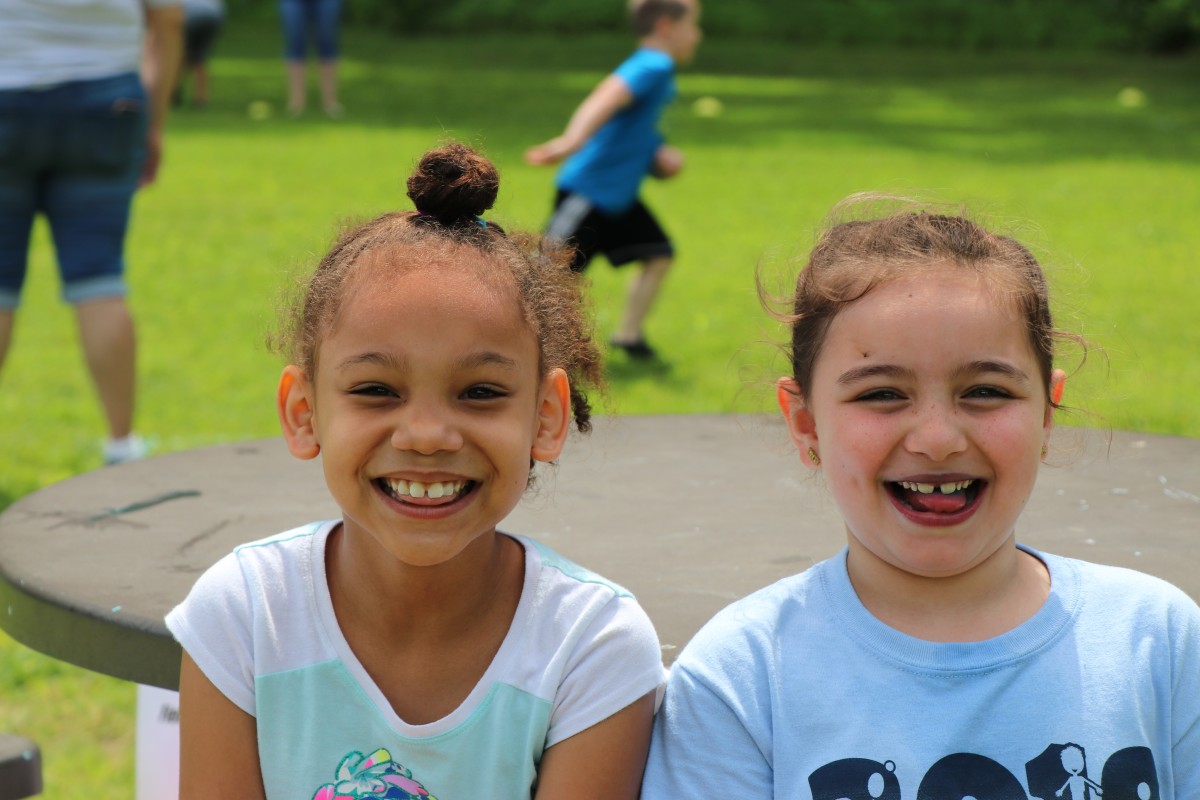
column 435, row 493
column 948, row 498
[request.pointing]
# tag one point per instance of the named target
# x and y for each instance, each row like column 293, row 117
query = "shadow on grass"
column 621, row 370
column 1007, row 108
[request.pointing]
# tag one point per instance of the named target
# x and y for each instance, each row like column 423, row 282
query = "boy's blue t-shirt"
column 609, row 168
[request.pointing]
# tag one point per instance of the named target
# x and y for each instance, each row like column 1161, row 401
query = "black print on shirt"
column 1060, row 772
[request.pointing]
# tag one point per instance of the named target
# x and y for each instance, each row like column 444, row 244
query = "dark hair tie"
column 466, row 219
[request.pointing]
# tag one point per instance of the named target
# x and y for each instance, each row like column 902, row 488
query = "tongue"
column 937, row 503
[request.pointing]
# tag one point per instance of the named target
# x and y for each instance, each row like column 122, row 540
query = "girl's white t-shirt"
column 260, row 625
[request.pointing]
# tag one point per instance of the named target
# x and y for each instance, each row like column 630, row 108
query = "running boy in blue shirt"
column 611, row 142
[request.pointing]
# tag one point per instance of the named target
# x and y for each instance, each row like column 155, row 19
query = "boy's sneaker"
column 118, row 451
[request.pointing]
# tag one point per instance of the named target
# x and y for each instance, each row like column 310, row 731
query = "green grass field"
column 1107, row 193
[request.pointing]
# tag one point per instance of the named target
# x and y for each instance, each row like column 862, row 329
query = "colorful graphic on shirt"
column 1059, row 772
column 372, row 777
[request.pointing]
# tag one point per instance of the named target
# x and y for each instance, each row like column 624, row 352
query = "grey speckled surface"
column 688, row 512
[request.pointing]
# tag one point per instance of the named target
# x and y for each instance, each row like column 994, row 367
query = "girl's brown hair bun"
column 453, row 183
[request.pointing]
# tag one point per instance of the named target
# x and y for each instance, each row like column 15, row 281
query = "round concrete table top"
column 688, row 512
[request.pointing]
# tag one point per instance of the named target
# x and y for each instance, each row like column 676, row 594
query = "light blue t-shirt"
column 261, row 626
column 609, row 168
column 798, row 692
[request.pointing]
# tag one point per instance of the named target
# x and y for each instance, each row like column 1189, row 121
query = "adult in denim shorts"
column 318, row 19
column 78, row 134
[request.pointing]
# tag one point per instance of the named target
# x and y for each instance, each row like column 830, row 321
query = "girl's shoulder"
column 1107, row 583
column 799, row 604
column 258, row 564
column 563, row 602
column 566, row 572
column 579, row 641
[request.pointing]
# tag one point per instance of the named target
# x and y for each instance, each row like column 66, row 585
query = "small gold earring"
column 1045, row 450
column 813, row 457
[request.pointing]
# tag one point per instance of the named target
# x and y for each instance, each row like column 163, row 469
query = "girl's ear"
column 554, row 416
column 800, row 422
column 294, row 401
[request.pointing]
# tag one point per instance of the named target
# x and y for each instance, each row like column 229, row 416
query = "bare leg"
column 297, row 87
column 6, row 328
column 200, row 85
column 110, row 350
column 329, row 89
column 643, row 290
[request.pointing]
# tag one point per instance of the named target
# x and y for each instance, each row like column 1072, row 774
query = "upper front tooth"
column 930, row 488
column 432, row 490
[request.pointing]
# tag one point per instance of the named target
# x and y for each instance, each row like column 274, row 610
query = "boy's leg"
column 637, row 236
column 643, row 290
column 575, row 224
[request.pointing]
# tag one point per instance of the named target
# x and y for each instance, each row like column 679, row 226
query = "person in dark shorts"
column 610, row 144
column 202, row 21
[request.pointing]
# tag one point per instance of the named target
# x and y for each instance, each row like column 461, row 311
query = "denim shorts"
column 300, row 17
column 72, row 152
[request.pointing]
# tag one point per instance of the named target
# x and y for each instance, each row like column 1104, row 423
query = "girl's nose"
column 426, row 429
column 936, row 432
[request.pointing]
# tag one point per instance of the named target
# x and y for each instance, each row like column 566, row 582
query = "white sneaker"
column 118, row 451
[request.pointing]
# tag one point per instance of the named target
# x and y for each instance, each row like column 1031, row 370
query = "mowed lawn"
column 1092, row 159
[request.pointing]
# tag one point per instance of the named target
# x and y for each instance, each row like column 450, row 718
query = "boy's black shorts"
column 634, row 235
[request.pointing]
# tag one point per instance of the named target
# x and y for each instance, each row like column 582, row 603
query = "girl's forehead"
column 911, row 286
column 949, row 311
column 386, row 271
column 426, row 308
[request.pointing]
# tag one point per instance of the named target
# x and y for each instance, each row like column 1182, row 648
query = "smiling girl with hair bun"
column 409, row 649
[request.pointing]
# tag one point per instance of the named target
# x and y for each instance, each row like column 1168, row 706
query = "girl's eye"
column 482, row 392
column 987, row 393
column 372, row 390
column 879, row 396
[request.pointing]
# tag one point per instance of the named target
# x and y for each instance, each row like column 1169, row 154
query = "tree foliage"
column 1140, row 25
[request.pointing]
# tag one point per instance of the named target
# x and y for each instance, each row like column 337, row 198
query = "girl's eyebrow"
column 374, row 357
column 378, row 358
column 998, row 367
column 852, row 376
column 490, row 358
column 892, row 371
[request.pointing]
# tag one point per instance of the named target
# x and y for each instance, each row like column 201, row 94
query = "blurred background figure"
column 201, row 26
column 80, row 131
column 319, row 20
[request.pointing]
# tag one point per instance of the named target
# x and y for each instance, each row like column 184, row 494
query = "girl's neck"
column 430, row 603
column 399, row 619
column 992, row 598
